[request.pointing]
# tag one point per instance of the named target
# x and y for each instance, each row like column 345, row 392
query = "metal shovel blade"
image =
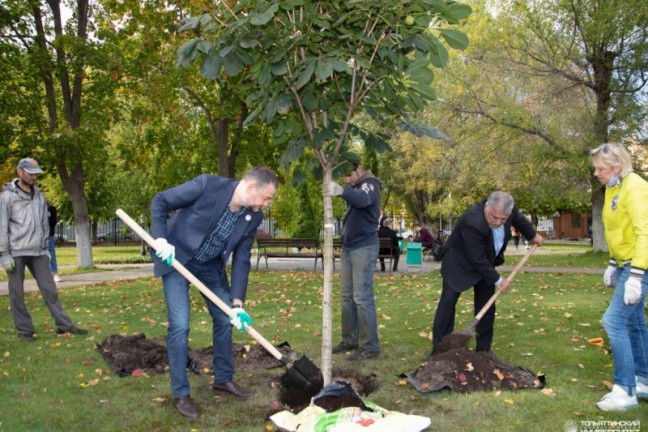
column 303, row 375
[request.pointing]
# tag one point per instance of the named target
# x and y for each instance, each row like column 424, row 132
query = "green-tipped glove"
column 241, row 319
column 164, row 251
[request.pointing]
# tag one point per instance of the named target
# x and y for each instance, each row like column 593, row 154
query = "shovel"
column 302, row 374
column 459, row 339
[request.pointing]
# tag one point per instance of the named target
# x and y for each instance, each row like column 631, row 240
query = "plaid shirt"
column 215, row 243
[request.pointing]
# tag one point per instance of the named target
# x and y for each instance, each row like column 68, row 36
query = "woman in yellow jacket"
column 625, row 219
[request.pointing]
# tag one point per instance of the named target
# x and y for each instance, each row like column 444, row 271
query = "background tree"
column 317, row 65
column 544, row 83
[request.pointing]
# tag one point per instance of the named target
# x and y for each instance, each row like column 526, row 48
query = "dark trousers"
column 396, row 257
column 444, row 319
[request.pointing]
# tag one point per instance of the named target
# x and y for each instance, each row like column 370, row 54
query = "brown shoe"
column 232, row 388
column 185, row 406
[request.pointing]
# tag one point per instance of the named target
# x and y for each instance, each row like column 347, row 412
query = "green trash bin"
column 414, row 254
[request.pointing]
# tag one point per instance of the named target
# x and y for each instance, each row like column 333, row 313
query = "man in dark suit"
column 201, row 223
column 475, row 247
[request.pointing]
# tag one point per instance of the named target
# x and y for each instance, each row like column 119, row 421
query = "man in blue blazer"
column 475, row 247
column 201, row 223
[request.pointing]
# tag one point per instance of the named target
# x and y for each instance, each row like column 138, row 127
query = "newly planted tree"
column 316, row 66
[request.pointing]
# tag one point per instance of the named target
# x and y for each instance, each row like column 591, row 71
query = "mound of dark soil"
column 466, row 371
column 124, row 354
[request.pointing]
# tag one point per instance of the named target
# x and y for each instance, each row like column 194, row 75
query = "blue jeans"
column 176, row 292
column 52, row 250
column 359, row 321
column 626, row 329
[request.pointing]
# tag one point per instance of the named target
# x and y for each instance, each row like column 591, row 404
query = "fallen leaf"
column 499, row 374
column 402, row 381
column 607, row 384
column 7, row 354
column 509, row 401
column 470, row 367
column 159, row 399
column 139, row 373
column 548, row 392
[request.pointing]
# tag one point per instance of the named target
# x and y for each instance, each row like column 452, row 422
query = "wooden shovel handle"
column 508, row 278
column 202, row 287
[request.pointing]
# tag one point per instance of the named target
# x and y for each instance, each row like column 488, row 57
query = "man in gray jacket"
column 24, row 235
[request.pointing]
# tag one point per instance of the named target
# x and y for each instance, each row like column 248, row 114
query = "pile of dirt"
column 125, row 354
column 466, row 371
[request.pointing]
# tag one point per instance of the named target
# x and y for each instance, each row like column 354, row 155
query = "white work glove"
column 164, row 251
column 241, row 319
column 332, row 189
column 609, row 277
column 632, row 290
column 8, row 263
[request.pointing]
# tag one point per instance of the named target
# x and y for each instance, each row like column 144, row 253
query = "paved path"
column 105, row 273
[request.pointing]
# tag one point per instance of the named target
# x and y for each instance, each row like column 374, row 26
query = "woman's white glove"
column 609, row 277
column 241, row 319
column 632, row 290
column 164, row 251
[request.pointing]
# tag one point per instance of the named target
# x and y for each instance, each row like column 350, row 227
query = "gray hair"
column 613, row 155
column 501, row 199
column 262, row 176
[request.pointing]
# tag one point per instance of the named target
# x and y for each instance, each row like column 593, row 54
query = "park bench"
column 288, row 248
column 386, row 246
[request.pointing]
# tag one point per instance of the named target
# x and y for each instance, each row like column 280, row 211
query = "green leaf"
column 284, row 103
column 279, row 69
column 299, row 176
column 293, row 151
column 190, row 23
column 251, row 117
column 310, row 102
column 419, row 130
column 439, row 55
column 426, row 90
column 458, row 12
column 324, row 70
column 187, row 52
column 265, row 17
column 249, row 43
column 211, row 65
column 455, row 38
column 377, row 142
column 305, row 75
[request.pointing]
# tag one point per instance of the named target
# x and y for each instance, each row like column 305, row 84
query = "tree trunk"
column 598, row 237
column 327, row 296
column 74, row 186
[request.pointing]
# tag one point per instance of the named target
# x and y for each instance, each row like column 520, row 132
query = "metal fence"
column 115, row 232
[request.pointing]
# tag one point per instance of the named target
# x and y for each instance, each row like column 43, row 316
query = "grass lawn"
column 60, row 383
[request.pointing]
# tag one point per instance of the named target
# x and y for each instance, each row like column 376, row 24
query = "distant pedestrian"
column 52, row 217
column 386, row 231
column 515, row 234
column 24, row 242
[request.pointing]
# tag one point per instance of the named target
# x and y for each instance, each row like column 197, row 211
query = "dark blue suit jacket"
column 470, row 250
column 186, row 214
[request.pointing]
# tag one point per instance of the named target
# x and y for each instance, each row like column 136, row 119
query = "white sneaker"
column 617, row 400
column 57, row 278
column 642, row 390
